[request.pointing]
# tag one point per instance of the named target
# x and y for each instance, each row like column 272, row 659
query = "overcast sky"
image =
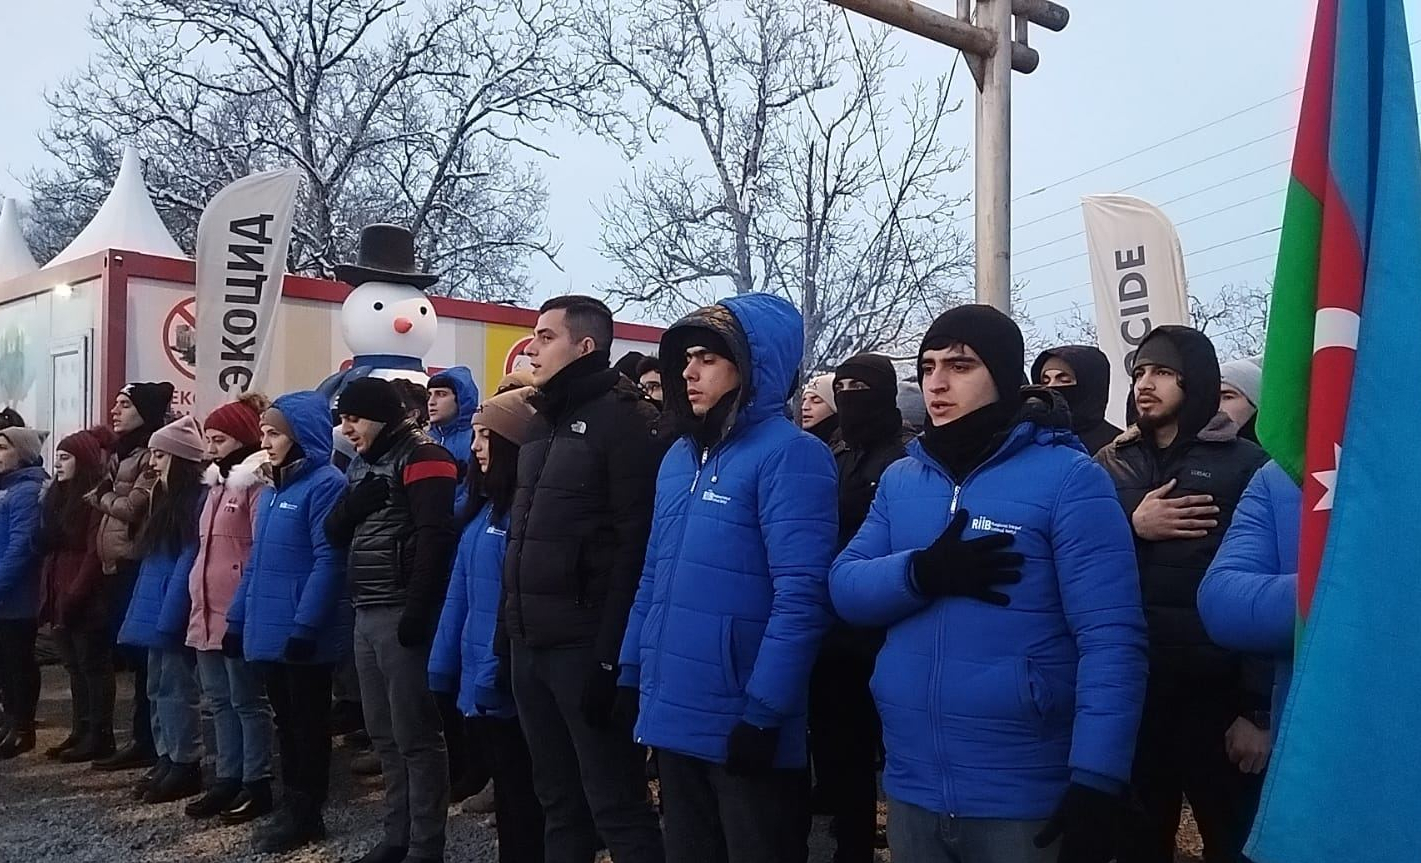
column 1125, row 75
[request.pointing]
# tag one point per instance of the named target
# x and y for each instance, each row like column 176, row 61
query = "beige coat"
column 124, row 499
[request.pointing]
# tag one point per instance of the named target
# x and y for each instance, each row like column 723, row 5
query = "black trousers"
column 300, row 698
column 713, row 817
column 135, row 658
column 1180, row 753
column 19, row 671
column 591, row 781
column 845, row 736
column 518, row 812
column 88, row 658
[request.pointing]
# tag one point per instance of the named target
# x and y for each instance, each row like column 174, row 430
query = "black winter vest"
column 1218, row 463
column 381, row 551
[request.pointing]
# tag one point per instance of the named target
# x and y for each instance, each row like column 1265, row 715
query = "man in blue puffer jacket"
column 290, row 615
column 453, row 398
column 1248, row 600
column 1013, row 675
column 733, row 599
column 22, row 477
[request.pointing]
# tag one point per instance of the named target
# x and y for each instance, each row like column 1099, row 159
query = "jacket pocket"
column 742, row 649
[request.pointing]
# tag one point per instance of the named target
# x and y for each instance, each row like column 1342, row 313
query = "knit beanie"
column 1244, row 375
column 371, row 399
column 10, row 417
column 151, row 399
column 514, row 379
column 509, row 415
column 29, row 443
column 89, row 445
column 705, row 337
column 912, row 405
column 277, row 420
column 823, row 386
column 239, row 420
column 874, row 370
column 181, row 438
column 992, row 335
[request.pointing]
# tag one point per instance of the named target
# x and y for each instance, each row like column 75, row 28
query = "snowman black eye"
column 379, row 306
column 424, row 310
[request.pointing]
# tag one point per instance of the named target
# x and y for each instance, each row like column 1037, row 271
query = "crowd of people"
column 1044, row 631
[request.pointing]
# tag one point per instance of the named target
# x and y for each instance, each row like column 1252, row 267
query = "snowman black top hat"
column 386, row 255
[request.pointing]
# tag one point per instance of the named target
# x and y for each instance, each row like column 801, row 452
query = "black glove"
column 1089, row 823
column 750, row 750
column 416, row 628
column 626, row 708
column 300, row 649
column 232, row 644
column 952, row 566
column 599, row 695
column 366, row 498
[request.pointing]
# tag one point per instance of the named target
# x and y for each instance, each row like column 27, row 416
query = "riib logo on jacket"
column 288, row 505
column 982, row 523
column 710, row 496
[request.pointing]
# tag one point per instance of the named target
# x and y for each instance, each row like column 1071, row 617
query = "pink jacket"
column 228, row 518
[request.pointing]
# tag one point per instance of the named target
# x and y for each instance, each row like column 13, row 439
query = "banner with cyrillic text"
column 242, row 242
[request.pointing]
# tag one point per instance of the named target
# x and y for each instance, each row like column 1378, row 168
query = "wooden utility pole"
column 992, row 35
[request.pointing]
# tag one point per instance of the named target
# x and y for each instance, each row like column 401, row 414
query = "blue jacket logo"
column 711, row 497
column 983, row 523
column 286, row 504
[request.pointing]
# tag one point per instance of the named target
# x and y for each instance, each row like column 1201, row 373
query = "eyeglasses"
column 651, row 388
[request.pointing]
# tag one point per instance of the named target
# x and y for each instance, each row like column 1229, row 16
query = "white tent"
column 127, row 220
column 15, row 257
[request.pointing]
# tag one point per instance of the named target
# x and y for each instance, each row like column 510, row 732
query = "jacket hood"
column 465, row 391
column 245, row 474
column 766, row 336
column 23, row 474
column 1200, row 377
column 309, row 415
column 1091, row 394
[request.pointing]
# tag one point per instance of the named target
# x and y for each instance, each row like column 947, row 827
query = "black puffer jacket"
column 1209, row 458
column 1090, row 395
column 859, row 471
column 582, row 512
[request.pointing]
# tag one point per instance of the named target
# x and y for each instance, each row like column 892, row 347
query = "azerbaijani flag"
column 1340, row 407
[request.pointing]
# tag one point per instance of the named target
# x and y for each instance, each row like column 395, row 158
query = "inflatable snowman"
column 388, row 322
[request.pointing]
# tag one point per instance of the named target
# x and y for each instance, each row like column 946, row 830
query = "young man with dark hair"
column 845, row 736
column 576, row 541
column 734, row 597
column 397, row 521
column 648, row 376
column 1179, row 473
column 1011, row 682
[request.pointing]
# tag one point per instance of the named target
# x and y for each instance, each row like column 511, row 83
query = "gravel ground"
column 68, row 813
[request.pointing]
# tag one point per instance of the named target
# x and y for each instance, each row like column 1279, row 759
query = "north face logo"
column 711, row 497
column 986, row 525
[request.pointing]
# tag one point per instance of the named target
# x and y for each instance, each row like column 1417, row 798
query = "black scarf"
column 868, row 417
column 963, row 444
column 711, row 429
column 234, row 458
column 584, row 378
column 825, row 428
column 132, row 440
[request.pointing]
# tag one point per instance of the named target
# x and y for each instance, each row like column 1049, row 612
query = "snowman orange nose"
column 403, row 325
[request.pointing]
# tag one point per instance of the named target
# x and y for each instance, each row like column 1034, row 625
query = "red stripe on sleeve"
column 430, row 470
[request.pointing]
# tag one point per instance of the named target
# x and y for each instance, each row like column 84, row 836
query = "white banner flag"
column 1137, row 270
column 241, row 260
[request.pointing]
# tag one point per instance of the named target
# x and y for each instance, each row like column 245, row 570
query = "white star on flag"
column 1328, row 478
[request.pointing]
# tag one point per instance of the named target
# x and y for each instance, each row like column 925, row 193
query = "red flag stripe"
column 430, row 470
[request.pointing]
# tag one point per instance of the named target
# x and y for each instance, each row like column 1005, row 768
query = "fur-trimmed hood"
column 245, row 474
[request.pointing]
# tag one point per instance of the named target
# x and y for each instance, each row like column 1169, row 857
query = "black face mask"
column 868, row 416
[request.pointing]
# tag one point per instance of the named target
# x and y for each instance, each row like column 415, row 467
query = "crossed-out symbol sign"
column 180, row 337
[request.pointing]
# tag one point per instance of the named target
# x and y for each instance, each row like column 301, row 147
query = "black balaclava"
column 870, row 415
column 1191, row 354
column 963, row 444
column 1089, row 396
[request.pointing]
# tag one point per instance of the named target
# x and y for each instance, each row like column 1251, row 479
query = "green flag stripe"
column 1287, row 358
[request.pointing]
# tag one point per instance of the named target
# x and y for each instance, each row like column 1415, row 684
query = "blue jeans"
column 172, row 690
column 920, row 836
column 241, row 716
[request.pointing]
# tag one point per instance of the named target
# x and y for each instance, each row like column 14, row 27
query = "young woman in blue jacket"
column 158, row 612
column 462, row 661
column 290, row 616
column 21, row 478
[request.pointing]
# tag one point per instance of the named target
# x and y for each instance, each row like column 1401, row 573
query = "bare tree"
column 426, row 115
column 797, row 187
column 1235, row 318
